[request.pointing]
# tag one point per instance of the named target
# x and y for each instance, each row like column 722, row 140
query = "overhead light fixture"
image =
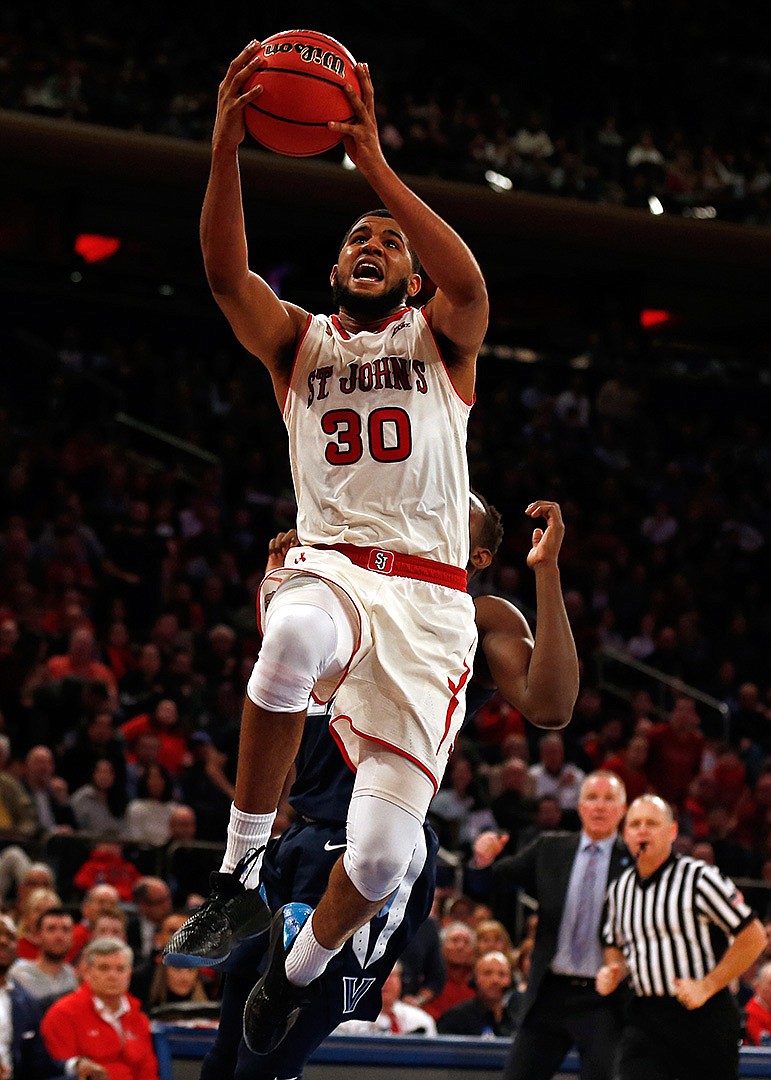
column 497, row 181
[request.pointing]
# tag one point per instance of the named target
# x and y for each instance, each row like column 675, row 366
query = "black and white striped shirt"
column 674, row 924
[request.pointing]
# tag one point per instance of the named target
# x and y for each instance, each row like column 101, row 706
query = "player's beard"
column 370, row 307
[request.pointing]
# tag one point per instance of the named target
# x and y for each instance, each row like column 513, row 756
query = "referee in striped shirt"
column 681, row 931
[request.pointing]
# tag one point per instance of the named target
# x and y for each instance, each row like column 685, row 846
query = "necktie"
column 585, row 928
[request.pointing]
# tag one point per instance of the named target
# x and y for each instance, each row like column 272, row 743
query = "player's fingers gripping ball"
column 303, row 84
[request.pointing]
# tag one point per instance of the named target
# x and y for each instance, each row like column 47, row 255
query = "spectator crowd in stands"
column 553, row 105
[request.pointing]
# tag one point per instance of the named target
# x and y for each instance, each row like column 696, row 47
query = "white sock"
column 245, row 832
column 307, row 959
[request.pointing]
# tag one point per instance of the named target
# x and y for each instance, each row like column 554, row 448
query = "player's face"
column 374, row 275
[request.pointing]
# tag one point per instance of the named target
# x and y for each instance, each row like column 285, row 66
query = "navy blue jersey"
column 297, row 867
column 476, row 697
column 324, row 783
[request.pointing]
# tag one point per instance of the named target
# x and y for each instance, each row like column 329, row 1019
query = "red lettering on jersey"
column 348, row 385
column 400, row 373
column 382, row 373
column 366, row 380
column 323, row 375
column 420, row 383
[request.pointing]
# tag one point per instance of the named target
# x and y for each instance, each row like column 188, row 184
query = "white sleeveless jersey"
column 377, row 440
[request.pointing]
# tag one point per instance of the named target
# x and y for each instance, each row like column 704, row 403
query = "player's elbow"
column 552, row 719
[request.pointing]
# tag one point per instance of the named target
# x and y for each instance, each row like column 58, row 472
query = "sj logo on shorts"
column 353, row 991
column 382, row 562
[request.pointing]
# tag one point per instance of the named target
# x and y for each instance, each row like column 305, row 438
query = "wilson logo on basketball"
column 309, row 54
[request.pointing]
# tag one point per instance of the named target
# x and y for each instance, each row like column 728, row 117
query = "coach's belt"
column 574, row 980
column 394, row 564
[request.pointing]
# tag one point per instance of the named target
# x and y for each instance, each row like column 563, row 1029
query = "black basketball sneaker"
column 274, row 1004
column 230, row 913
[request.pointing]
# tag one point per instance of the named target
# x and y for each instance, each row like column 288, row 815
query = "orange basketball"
column 304, row 87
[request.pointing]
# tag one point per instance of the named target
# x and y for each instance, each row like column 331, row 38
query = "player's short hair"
column 491, row 533
column 382, row 212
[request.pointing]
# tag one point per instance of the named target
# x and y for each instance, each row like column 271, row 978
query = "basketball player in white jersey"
column 372, row 606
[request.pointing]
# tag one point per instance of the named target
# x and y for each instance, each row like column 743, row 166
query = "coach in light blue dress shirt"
column 585, row 907
column 561, row 1007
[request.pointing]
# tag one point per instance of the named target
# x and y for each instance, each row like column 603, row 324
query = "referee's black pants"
column 663, row 1040
column 567, row 1012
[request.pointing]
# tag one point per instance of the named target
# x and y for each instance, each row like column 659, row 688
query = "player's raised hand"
column 361, row 138
column 546, row 542
column 278, row 548
column 229, row 127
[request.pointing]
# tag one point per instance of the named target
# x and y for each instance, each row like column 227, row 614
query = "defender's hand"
column 278, row 548
column 546, row 542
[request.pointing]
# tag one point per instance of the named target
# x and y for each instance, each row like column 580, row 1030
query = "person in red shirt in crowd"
column 631, row 766
column 753, row 814
column 676, row 750
column 98, row 899
column 119, row 653
column 164, row 721
column 459, row 952
column 101, row 1020
column 757, row 1027
column 730, row 775
column 79, row 662
column 603, row 742
column 106, row 865
column 702, row 797
column 496, row 720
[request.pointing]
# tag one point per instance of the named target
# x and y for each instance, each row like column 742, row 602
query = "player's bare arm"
column 537, row 676
column 459, row 309
column 263, row 324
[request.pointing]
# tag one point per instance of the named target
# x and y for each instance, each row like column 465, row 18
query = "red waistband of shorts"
column 394, row 564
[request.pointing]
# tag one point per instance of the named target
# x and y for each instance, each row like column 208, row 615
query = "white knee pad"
column 381, row 839
column 308, row 634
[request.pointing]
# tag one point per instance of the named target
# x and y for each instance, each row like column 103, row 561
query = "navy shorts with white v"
column 296, row 868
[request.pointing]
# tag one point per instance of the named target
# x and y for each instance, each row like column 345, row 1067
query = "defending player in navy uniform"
column 297, row 865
